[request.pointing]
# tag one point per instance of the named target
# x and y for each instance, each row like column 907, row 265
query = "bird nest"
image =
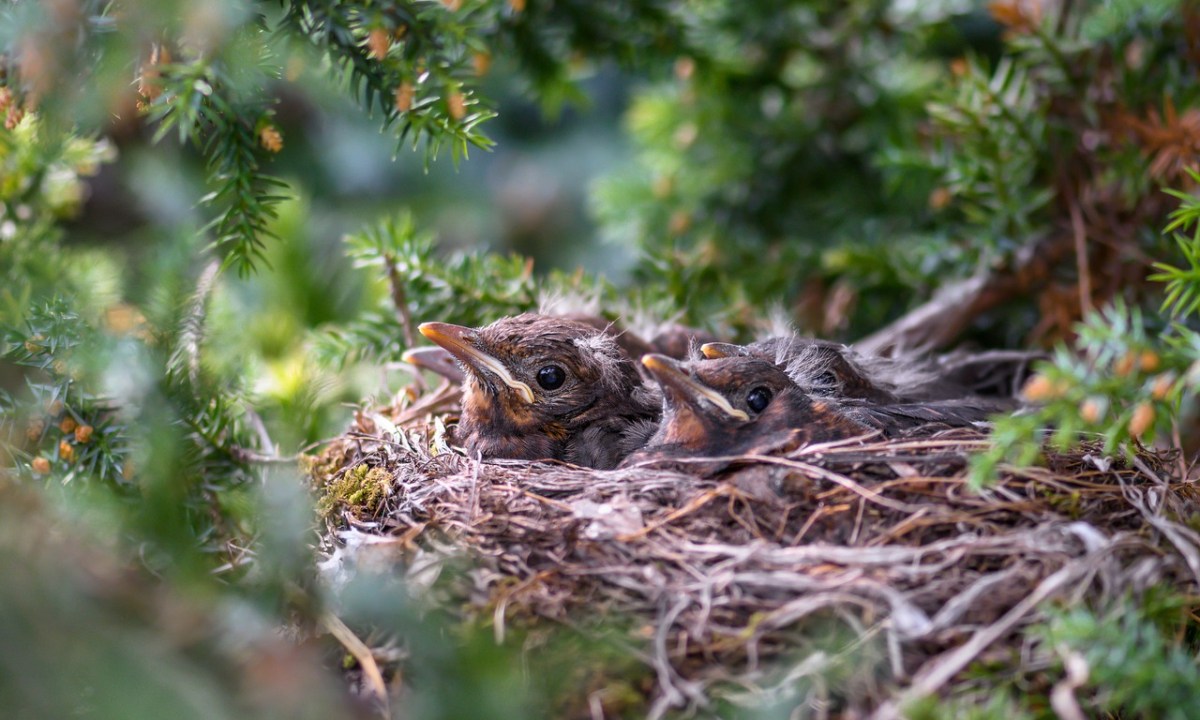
column 733, row 572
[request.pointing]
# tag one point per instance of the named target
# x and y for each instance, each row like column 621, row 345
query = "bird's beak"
column 462, row 343
column 671, row 375
column 436, row 360
column 717, row 350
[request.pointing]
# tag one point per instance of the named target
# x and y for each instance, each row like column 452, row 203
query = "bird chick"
column 908, row 419
column 839, row 371
column 736, row 405
column 540, row 387
column 674, row 341
column 823, row 367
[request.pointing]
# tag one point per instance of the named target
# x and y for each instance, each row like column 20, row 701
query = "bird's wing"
column 904, row 416
column 995, row 373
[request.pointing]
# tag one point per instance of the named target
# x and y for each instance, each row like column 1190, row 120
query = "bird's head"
column 532, row 381
column 820, row 367
column 732, row 404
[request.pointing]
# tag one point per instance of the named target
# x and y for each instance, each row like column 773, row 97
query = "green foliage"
column 41, row 184
column 988, row 150
column 1183, row 283
column 1135, row 666
column 757, row 158
column 995, row 707
column 413, row 63
column 1120, row 382
column 465, row 288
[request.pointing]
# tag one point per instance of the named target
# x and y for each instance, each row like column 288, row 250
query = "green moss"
column 361, row 488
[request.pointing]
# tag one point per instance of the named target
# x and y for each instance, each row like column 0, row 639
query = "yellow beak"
column 670, row 374
column 461, row 343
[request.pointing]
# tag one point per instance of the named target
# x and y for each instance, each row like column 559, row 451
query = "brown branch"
column 400, row 301
column 1079, row 234
column 938, row 322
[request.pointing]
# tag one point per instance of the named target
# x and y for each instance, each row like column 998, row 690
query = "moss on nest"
column 360, row 490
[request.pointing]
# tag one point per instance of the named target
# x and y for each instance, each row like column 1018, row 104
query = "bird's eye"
column 758, row 399
column 551, row 377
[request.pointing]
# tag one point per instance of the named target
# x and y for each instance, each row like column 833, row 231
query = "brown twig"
column 400, row 302
column 363, row 655
column 938, row 322
column 1079, row 234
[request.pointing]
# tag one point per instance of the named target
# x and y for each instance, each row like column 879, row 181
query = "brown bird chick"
column 821, row 367
column 541, row 387
column 674, row 341
column 734, row 406
column 835, row 370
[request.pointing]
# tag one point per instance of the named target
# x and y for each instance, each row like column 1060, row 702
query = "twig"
column 939, row 671
column 400, row 301
column 364, row 656
column 938, row 322
column 1079, row 232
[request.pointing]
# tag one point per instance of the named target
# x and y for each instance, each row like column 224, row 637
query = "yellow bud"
column 378, row 42
column 65, row 451
column 1142, row 420
column 482, row 62
column 83, row 433
column 686, row 135
column 41, row 465
column 685, row 67
column 1091, row 411
column 404, row 97
column 67, row 425
column 1124, row 365
column 1148, row 361
column 679, row 223
column 1162, row 386
column 456, row 105
column 1040, row 388
column 940, row 198
column 270, row 139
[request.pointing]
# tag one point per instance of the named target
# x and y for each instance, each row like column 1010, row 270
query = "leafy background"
column 206, row 209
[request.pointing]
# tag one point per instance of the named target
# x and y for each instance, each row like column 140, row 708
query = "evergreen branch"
column 201, row 100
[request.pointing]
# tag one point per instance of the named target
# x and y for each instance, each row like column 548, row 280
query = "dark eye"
column 551, row 377
column 758, row 399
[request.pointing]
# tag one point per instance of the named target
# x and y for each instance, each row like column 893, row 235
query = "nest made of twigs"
column 720, row 560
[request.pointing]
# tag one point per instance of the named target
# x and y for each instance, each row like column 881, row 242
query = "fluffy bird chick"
column 541, row 387
column 734, row 406
column 675, row 341
column 828, row 368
